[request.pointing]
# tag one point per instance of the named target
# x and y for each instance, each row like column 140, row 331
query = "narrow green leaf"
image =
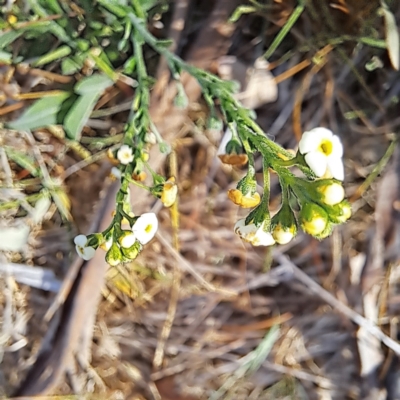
column 285, row 29
column 95, row 83
column 23, row 160
column 41, row 113
column 61, row 52
column 114, row 7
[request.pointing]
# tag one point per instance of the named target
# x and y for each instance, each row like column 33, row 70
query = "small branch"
column 361, row 321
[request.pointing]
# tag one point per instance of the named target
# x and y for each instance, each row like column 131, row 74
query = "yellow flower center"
column 148, row 228
column 326, row 147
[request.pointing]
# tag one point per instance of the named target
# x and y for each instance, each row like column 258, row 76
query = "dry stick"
column 369, row 326
column 176, row 282
column 186, row 266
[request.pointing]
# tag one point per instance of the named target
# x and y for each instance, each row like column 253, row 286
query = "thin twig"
column 361, row 321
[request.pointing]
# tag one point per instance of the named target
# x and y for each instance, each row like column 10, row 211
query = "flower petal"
column 308, row 143
column 317, row 162
column 88, row 253
column 239, row 224
column 336, row 168
column 263, row 238
column 311, row 140
column 337, row 151
column 80, row 240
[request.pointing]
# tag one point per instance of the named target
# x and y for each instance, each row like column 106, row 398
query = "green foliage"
column 42, row 113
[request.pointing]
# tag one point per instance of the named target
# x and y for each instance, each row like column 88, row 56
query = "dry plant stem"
column 370, row 327
column 184, row 265
column 176, row 281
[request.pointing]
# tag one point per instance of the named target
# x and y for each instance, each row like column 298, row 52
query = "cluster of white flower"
column 321, row 200
column 142, row 231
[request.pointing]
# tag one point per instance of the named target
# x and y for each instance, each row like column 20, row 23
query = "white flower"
column 323, row 152
column 145, row 227
column 250, row 233
column 84, row 251
column 124, row 154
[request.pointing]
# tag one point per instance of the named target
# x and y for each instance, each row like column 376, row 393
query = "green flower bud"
column 340, row 213
column 126, row 239
column 283, row 225
column 114, row 255
column 132, row 252
column 313, row 219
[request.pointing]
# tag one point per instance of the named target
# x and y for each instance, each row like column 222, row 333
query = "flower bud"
column 313, row 219
column 245, row 200
column 150, row 138
column 145, row 155
column 341, row 212
column 132, row 252
column 140, row 177
column 111, row 157
column 169, row 192
column 283, row 225
column 234, row 154
column 126, row 239
column 250, row 233
column 114, row 255
column 245, row 194
column 282, row 234
column 331, row 194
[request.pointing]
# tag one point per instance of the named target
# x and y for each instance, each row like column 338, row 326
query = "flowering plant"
column 319, row 194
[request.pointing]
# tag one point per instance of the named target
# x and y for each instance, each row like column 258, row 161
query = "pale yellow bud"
column 332, row 194
column 283, row 235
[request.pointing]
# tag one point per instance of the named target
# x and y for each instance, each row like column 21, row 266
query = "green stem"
column 209, row 82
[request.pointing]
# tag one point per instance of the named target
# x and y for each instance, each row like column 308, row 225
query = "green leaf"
column 61, row 52
column 90, row 89
column 23, row 160
column 69, row 66
column 114, row 7
column 8, row 37
column 392, row 35
column 41, row 113
column 78, row 115
column 95, row 83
